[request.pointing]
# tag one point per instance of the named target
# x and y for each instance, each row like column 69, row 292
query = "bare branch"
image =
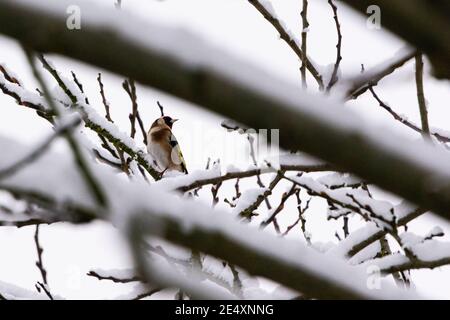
column 404, row 121
column 112, row 278
column 130, row 87
column 40, row 264
column 334, row 76
column 105, row 102
column 289, row 40
column 421, row 95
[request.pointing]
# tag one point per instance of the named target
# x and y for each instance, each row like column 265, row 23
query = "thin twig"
column 130, row 88
column 289, row 40
column 421, row 96
column 147, row 294
column 161, row 108
column 79, row 85
column 104, row 100
column 334, row 77
column 404, row 121
column 284, row 198
column 94, row 274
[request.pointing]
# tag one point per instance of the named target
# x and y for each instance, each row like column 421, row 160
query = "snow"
column 336, row 179
column 116, row 273
column 409, row 240
column 386, row 262
column 11, row 73
column 12, row 292
column 354, row 238
column 432, row 250
column 130, row 198
column 267, row 4
column 26, row 95
column 402, row 210
column 247, row 199
column 435, row 232
column 173, row 183
column 297, row 159
column 382, row 209
column 39, row 176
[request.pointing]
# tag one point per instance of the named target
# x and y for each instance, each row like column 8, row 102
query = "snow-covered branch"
column 371, row 77
column 424, row 253
column 195, row 71
column 90, row 116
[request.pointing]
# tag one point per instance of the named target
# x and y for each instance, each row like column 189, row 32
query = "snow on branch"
column 214, row 175
column 90, row 116
column 427, row 253
column 200, row 73
column 12, row 292
column 371, row 77
column 381, row 212
column 363, row 237
column 266, row 9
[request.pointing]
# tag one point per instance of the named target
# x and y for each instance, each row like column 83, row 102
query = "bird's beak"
column 174, row 120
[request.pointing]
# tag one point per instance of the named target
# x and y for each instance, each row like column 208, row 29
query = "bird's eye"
column 168, row 120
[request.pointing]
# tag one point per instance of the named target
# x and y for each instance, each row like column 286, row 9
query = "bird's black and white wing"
column 177, row 155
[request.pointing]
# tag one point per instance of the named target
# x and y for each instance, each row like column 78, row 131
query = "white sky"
column 234, row 26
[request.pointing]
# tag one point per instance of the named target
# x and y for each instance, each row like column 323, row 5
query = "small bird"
column 163, row 146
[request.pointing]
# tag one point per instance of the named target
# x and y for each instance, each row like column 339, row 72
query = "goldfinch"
column 163, row 146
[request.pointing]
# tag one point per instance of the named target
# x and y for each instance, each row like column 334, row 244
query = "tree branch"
column 305, row 29
column 421, row 96
column 334, row 76
column 289, row 40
